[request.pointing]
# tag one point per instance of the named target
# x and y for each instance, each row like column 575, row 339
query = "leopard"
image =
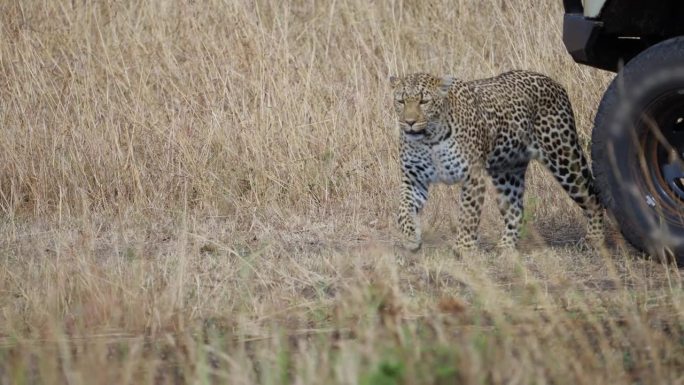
column 454, row 131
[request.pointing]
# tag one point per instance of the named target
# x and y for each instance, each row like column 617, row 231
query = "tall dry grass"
column 203, row 192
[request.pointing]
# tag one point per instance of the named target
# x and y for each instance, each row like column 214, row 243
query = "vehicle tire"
column 637, row 150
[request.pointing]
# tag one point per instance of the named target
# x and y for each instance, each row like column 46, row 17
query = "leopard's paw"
column 412, row 245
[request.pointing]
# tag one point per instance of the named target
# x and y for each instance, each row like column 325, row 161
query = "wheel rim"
column 662, row 125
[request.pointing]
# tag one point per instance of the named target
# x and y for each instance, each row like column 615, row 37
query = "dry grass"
column 203, row 192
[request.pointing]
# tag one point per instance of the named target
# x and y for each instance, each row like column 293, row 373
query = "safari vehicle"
column 638, row 135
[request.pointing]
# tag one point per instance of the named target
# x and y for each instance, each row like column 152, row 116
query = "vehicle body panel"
column 592, row 8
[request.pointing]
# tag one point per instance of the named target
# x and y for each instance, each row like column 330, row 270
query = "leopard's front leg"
column 414, row 192
column 472, row 198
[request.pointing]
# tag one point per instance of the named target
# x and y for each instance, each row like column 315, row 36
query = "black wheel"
column 637, row 150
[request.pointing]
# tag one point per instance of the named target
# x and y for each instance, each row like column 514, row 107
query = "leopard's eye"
column 423, row 101
column 400, row 101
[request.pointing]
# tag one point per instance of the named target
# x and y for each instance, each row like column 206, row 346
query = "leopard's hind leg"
column 510, row 187
column 560, row 152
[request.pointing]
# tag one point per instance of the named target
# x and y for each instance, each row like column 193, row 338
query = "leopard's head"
column 418, row 101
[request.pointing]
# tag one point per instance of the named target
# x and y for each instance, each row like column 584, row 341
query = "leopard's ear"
column 394, row 81
column 446, row 83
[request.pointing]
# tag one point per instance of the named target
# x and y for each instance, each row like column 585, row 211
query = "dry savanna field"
column 204, row 192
